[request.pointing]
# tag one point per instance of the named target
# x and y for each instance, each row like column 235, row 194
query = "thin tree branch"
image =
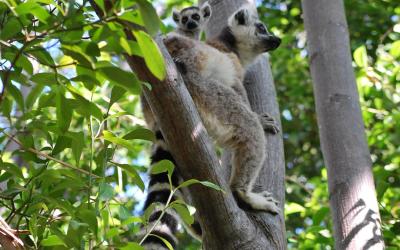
column 65, row 164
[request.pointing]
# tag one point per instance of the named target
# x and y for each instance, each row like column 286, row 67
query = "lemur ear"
column 206, row 10
column 175, row 15
column 242, row 16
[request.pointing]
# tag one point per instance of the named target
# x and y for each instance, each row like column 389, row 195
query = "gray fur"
column 214, row 79
column 205, row 13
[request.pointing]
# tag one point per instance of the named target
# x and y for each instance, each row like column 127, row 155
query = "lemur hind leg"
column 248, row 158
column 233, row 125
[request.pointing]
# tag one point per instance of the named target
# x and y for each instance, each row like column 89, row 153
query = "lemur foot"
column 268, row 123
column 258, row 201
column 269, row 196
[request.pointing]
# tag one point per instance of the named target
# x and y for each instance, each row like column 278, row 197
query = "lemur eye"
column 261, row 28
column 196, row 17
column 184, row 19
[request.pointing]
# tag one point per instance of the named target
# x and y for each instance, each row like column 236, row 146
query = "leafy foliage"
column 72, row 140
column 374, row 33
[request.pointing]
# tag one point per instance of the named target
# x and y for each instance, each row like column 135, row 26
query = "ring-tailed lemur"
column 190, row 23
column 211, row 73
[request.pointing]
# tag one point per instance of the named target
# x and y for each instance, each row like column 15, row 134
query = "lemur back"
column 190, row 23
column 224, row 110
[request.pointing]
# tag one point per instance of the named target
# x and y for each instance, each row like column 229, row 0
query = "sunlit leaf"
column 152, row 54
column 52, row 240
column 360, row 56
column 116, row 140
column 140, row 133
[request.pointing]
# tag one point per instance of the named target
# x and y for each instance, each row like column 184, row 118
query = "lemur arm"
column 267, row 121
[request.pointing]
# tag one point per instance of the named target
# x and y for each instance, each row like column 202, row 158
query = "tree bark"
column 353, row 201
column 262, row 95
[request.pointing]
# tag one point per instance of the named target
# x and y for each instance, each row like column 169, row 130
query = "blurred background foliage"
column 374, row 28
column 50, row 109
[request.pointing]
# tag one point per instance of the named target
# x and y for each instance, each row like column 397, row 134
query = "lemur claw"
column 259, row 201
column 269, row 124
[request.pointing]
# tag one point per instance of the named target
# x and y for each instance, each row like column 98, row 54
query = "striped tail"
column 158, row 192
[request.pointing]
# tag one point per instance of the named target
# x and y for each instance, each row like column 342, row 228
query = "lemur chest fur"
column 206, row 60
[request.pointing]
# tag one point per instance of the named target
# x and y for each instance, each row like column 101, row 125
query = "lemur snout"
column 191, row 25
column 273, row 42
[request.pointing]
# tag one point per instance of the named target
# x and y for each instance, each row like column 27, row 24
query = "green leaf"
column 132, row 220
column 183, row 212
column 48, row 79
column 106, row 192
column 152, row 54
column 42, row 55
column 31, row 7
column 122, row 78
column 292, row 208
column 132, row 246
column 164, row 241
column 33, row 96
column 395, row 49
column 52, row 240
column 24, row 63
column 62, row 143
column 116, row 94
column 320, row 215
column 116, row 140
column 88, row 216
column 163, row 166
column 11, row 168
column 87, row 80
column 149, row 17
column 11, row 28
column 140, row 133
column 148, row 211
column 132, row 16
column 204, row 183
column 77, row 145
column 84, row 106
column 77, row 53
column 112, row 232
column 133, row 174
column 16, row 94
column 360, row 56
column 64, row 111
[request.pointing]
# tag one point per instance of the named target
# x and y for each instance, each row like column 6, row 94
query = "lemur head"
column 192, row 20
column 250, row 34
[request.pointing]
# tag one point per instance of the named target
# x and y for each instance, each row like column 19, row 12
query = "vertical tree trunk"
column 351, row 186
column 262, row 95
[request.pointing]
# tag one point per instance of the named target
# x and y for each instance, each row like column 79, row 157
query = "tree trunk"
column 353, row 201
column 262, row 95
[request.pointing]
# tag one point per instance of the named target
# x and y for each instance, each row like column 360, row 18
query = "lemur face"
column 250, row 33
column 192, row 18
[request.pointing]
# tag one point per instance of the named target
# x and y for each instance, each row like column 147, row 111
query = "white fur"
column 219, row 66
column 260, row 201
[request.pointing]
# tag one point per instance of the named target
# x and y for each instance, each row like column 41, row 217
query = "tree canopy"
column 74, row 147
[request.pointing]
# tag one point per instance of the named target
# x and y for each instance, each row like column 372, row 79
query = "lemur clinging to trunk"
column 214, row 76
column 211, row 73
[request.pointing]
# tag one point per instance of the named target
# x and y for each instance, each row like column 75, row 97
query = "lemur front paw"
column 258, row 201
column 268, row 122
